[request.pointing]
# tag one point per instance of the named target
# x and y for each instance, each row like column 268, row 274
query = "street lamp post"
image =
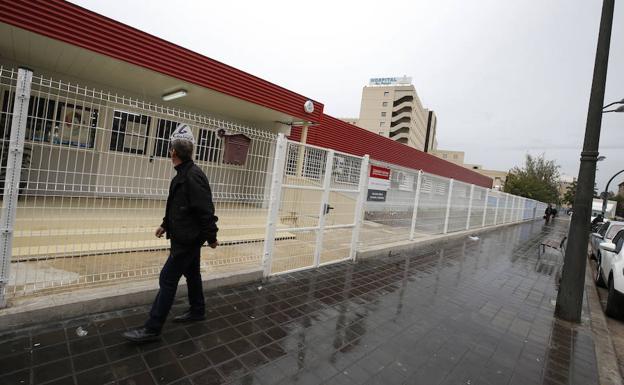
column 606, row 192
column 570, row 295
column 611, row 104
column 619, row 109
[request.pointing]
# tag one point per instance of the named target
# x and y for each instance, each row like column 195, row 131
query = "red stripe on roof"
column 72, row 24
column 341, row 136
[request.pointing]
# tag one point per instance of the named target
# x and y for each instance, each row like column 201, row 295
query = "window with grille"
column 426, row 185
column 346, row 170
column 440, row 188
column 208, row 146
column 163, row 131
column 291, row 161
column 314, row 163
column 53, row 121
column 129, row 133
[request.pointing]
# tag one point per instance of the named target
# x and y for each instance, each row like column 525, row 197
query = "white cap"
column 182, row 132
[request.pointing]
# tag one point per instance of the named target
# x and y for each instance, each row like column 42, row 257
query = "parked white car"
column 611, row 273
column 605, row 233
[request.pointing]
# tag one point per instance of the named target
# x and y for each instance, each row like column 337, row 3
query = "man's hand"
column 160, row 231
column 214, row 244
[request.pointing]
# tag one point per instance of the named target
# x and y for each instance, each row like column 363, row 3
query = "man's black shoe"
column 141, row 335
column 189, row 317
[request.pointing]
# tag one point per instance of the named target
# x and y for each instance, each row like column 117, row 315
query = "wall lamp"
column 174, row 95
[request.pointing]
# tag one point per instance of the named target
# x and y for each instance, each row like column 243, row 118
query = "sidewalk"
column 466, row 312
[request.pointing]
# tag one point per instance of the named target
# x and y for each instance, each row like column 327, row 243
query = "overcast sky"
column 504, row 77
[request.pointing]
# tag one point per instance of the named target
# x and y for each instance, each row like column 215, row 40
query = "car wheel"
column 599, row 278
column 613, row 301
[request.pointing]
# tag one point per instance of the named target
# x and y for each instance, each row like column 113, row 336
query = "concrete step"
column 81, row 247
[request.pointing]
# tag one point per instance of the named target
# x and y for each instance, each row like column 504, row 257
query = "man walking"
column 189, row 222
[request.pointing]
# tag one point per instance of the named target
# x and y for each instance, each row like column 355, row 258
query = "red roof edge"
column 75, row 25
column 341, row 136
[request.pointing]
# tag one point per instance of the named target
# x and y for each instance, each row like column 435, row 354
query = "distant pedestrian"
column 597, row 222
column 189, row 222
column 599, row 219
column 548, row 213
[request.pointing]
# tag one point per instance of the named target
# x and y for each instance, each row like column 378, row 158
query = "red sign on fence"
column 379, row 172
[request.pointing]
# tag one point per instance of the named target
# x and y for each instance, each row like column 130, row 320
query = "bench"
column 552, row 244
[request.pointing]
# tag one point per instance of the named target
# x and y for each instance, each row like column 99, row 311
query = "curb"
column 407, row 246
column 606, row 359
column 57, row 307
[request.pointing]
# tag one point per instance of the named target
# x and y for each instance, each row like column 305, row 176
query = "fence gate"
column 317, row 202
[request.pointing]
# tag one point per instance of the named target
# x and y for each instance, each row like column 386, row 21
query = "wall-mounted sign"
column 378, row 184
column 390, row 81
column 376, row 196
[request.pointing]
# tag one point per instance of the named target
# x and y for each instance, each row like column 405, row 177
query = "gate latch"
column 327, row 207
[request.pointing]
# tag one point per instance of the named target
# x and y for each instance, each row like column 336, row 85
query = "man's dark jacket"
column 189, row 217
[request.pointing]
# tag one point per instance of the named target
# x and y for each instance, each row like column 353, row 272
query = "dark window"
column 40, row 119
column 613, row 230
column 619, row 236
column 130, row 132
column 163, row 132
column 208, row 146
column 619, row 241
column 52, row 121
column 5, row 117
column 75, row 125
column 314, row 163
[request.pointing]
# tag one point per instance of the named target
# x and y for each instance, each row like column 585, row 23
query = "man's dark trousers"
column 183, row 260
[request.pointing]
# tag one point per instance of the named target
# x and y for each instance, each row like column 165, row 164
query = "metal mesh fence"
column 478, row 207
column 460, row 203
column 432, row 204
column 95, row 179
column 95, row 176
column 317, row 211
column 391, row 220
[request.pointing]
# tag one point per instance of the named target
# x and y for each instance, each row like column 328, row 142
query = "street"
column 462, row 312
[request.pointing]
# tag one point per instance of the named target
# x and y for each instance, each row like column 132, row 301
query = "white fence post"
column 511, row 209
column 415, row 212
column 535, row 216
column 496, row 210
column 448, row 207
column 12, row 179
column 470, row 206
column 359, row 206
column 485, row 206
column 505, row 208
column 274, row 202
column 329, row 166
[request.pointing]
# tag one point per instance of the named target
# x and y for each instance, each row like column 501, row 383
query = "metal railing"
column 94, row 180
column 420, row 204
column 85, row 175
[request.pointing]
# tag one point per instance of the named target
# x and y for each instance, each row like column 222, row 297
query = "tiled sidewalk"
column 468, row 312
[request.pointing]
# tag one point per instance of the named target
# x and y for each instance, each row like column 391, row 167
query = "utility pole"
column 570, row 296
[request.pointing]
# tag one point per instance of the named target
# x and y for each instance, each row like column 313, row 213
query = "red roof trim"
column 72, row 24
column 341, row 136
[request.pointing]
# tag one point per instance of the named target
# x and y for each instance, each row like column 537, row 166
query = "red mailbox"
column 236, row 147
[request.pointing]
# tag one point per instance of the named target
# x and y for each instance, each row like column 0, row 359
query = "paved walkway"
column 467, row 312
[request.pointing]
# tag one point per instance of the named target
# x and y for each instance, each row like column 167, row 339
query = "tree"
column 619, row 208
column 538, row 179
column 568, row 197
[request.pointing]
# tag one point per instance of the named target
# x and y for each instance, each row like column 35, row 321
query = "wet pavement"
column 464, row 312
